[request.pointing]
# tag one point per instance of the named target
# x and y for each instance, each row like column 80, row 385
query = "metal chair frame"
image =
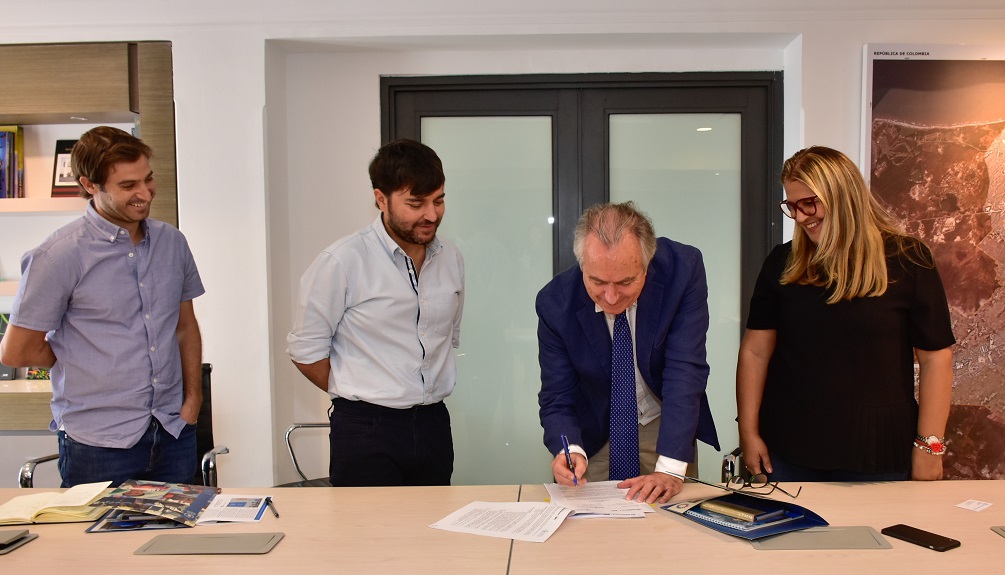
column 289, row 444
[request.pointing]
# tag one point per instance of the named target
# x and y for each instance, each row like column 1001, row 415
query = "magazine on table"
column 126, row 520
column 235, row 509
column 177, row 502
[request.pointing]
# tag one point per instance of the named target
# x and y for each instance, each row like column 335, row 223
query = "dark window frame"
column 577, row 101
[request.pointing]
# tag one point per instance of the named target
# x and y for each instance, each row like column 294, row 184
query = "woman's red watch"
column 931, row 444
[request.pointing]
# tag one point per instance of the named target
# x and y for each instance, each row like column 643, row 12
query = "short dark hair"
column 406, row 165
column 99, row 149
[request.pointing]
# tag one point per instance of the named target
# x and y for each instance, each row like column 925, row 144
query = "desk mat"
column 12, row 539
column 210, row 544
column 828, row 537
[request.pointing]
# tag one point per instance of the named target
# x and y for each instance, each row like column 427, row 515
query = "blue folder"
column 794, row 518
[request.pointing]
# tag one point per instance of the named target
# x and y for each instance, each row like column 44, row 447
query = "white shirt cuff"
column 667, row 465
column 573, row 448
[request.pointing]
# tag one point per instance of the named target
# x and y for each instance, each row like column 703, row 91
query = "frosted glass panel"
column 684, row 171
column 498, row 205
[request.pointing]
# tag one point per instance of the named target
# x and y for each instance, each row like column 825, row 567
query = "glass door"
column 524, row 156
column 498, row 212
column 684, row 171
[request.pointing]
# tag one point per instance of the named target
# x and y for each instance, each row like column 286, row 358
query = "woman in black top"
column 825, row 376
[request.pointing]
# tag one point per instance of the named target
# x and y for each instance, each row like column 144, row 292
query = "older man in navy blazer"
column 660, row 286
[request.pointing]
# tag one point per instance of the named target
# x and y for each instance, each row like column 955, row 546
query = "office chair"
column 732, row 465
column 206, row 468
column 319, row 482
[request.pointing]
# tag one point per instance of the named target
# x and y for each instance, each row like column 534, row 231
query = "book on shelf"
column 12, row 161
column 68, row 506
column 179, row 503
column 6, row 165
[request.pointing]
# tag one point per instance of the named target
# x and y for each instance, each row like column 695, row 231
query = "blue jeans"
column 373, row 445
column 158, row 456
column 785, row 471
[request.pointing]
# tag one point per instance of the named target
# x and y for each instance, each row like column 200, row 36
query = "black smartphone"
column 919, row 537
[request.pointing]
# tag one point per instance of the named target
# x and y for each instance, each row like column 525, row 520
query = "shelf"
column 47, row 205
column 7, row 291
column 24, row 405
column 43, row 386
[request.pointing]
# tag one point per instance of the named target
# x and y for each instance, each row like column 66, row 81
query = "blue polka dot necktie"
column 624, row 409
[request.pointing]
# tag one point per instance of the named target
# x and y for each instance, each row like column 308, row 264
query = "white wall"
column 316, row 98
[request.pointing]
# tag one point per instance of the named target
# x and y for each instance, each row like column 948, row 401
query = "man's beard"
column 409, row 234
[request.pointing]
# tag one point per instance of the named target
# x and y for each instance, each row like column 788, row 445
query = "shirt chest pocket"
column 162, row 288
column 437, row 312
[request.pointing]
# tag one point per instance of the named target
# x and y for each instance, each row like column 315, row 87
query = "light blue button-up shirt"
column 388, row 335
column 111, row 311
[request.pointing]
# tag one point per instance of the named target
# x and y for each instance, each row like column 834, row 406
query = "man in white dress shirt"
column 377, row 320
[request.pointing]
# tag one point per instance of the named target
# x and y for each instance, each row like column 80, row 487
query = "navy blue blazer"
column 575, row 355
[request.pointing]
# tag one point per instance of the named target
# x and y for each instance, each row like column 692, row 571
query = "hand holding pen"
column 568, row 460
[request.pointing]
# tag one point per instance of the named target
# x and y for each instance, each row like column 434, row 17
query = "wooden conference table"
column 385, row 530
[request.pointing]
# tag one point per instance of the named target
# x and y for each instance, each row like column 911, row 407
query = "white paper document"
column 597, row 499
column 974, row 505
column 534, row 522
column 234, row 509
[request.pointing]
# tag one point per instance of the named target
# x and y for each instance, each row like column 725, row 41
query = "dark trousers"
column 373, row 445
column 786, row 471
column 158, row 456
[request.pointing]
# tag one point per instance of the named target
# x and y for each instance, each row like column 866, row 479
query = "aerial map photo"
column 938, row 165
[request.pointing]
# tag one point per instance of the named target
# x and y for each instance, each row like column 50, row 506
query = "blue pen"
column 568, row 459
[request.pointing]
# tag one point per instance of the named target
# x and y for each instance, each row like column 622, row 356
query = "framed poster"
column 64, row 184
column 934, row 155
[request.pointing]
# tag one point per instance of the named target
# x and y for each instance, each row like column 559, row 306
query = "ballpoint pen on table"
column 272, row 506
column 568, row 459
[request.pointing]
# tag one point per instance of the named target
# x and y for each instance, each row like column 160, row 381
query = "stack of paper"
column 597, row 499
column 526, row 521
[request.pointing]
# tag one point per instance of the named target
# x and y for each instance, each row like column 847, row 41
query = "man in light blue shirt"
column 378, row 318
column 106, row 302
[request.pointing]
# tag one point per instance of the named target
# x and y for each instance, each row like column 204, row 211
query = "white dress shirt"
column 389, row 334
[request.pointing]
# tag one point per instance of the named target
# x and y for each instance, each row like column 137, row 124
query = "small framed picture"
column 64, row 184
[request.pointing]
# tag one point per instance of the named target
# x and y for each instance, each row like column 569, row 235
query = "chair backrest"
column 204, row 431
column 732, row 465
column 206, row 449
column 319, row 482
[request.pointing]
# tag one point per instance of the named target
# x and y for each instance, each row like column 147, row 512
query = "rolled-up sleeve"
column 320, row 307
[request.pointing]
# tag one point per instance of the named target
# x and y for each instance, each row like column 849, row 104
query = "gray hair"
column 610, row 223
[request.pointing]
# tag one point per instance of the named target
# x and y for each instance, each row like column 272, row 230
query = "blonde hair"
column 850, row 258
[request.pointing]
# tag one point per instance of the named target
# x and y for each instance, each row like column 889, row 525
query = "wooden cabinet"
column 94, row 83
column 53, row 83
